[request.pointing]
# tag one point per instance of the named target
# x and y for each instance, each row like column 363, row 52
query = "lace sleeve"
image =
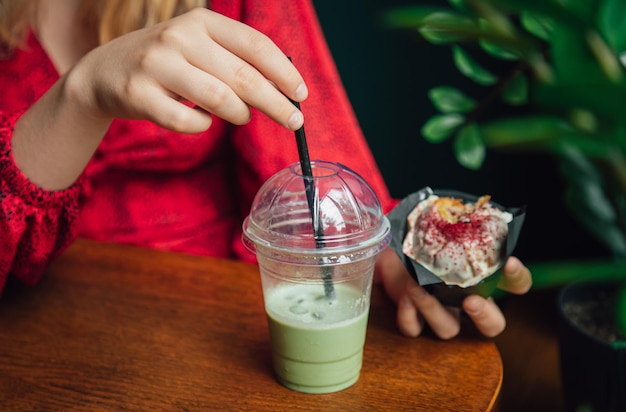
column 35, row 224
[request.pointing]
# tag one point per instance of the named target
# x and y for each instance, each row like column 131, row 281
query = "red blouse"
column 152, row 187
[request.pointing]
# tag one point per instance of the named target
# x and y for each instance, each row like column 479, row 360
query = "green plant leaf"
column 471, row 69
column 497, row 51
column 575, row 163
column 409, row 17
column 606, row 100
column 460, row 5
column 442, row 26
column 585, row 201
column 438, row 128
column 524, row 131
column 590, row 144
column 469, row 147
column 612, row 24
column 538, row 25
column 608, row 61
column 510, row 44
column 516, row 91
column 584, row 120
column 575, row 14
column 550, row 134
column 450, row 100
column 595, row 63
column 558, row 273
column 446, row 27
column 585, row 196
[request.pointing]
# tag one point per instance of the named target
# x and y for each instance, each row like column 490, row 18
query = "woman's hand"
column 222, row 66
column 417, row 308
column 219, row 65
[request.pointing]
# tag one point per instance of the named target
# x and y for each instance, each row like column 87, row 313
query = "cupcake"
column 454, row 243
column 460, row 242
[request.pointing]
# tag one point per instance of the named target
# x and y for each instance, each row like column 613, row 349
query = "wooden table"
column 529, row 348
column 115, row 327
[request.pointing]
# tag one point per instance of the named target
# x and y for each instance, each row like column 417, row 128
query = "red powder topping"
column 456, row 241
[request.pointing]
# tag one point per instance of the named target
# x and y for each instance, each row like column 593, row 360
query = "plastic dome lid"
column 350, row 222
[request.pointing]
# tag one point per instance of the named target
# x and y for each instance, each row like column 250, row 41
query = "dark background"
column 387, row 74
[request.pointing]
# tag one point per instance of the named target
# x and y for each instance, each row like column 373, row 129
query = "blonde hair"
column 111, row 18
column 15, row 18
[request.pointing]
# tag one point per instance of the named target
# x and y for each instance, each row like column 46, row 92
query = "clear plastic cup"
column 317, row 288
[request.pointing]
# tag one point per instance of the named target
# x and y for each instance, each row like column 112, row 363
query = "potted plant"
column 562, row 70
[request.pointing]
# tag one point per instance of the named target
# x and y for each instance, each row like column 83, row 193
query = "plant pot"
column 593, row 364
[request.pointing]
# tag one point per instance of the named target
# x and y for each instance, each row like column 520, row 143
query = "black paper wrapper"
column 451, row 295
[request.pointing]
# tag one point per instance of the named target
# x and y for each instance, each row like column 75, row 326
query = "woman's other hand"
column 417, row 308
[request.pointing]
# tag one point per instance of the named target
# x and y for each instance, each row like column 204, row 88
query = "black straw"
column 309, row 187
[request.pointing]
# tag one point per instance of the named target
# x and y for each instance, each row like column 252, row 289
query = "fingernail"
column 301, row 92
column 295, row 121
column 514, row 264
column 513, row 267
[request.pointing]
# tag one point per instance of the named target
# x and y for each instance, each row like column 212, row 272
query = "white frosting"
column 460, row 243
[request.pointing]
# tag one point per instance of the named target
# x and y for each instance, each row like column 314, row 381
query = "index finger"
column 252, row 66
column 263, row 54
